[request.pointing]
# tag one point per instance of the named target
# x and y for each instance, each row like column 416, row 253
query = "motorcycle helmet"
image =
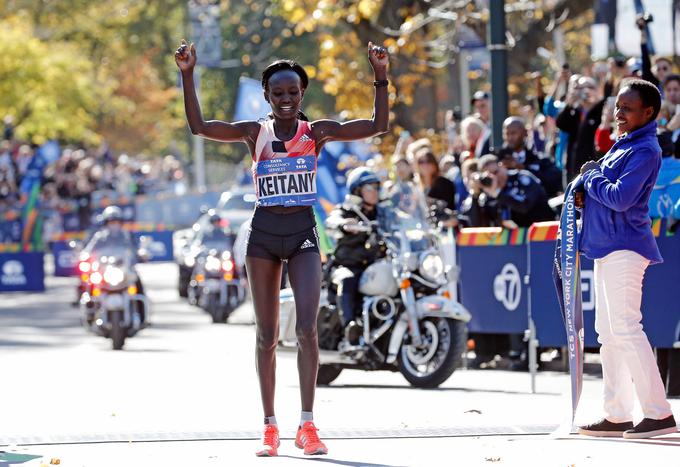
column 359, row 177
column 111, row 214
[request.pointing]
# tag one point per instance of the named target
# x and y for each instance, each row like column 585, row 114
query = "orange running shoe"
column 308, row 440
column 270, row 442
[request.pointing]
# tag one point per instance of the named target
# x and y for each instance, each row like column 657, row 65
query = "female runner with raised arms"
column 285, row 148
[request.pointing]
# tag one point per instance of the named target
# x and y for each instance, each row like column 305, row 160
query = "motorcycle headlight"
column 114, row 276
column 431, row 267
column 212, row 264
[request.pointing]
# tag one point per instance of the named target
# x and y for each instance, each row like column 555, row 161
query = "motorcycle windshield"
column 216, row 239
column 413, row 226
column 407, row 198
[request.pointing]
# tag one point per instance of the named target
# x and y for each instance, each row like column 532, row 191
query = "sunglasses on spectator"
column 423, row 161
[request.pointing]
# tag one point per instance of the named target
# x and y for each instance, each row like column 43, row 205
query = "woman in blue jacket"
column 617, row 235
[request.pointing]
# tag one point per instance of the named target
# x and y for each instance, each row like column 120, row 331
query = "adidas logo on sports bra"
column 305, row 138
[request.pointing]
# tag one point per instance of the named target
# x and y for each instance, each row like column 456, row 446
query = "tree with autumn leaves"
column 423, row 37
column 84, row 71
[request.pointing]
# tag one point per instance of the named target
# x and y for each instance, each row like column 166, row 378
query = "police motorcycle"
column 216, row 285
column 112, row 305
column 408, row 323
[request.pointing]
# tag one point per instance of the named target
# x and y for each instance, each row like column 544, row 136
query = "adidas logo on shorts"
column 307, row 244
column 304, row 138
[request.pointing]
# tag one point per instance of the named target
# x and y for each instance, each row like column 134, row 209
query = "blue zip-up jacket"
column 616, row 212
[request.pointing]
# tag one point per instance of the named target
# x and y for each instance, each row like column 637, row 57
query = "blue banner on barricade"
column 493, row 265
column 65, row 259
column 660, row 296
column 22, row 272
column 661, row 293
column 158, row 243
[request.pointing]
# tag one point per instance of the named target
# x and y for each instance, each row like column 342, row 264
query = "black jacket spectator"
column 479, row 210
column 543, row 168
column 443, row 189
column 581, row 130
column 525, row 198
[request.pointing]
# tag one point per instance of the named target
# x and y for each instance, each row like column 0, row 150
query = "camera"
column 483, row 180
column 646, row 17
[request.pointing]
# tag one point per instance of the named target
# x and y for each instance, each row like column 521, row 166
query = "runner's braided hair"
column 281, row 65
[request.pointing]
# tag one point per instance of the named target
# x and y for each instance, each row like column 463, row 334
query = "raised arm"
column 329, row 130
column 185, row 57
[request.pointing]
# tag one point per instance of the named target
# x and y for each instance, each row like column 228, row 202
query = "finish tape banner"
column 566, row 273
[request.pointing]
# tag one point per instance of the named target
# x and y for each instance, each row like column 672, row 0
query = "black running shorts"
column 279, row 237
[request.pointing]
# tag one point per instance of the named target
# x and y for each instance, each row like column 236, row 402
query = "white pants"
column 627, row 357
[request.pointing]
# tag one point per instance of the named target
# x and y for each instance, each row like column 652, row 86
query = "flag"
column 46, row 154
column 250, row 103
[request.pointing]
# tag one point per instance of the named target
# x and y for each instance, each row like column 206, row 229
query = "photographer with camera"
column 519, row 195
column 662, row 65
column 478, row 209
column 580, row 118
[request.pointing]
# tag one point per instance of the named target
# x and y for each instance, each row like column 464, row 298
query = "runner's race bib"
column 286, row 181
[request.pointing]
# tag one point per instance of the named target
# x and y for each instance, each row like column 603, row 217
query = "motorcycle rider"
column 215, row 232
column 112, row 235
column 111, row 232
column 355, row 250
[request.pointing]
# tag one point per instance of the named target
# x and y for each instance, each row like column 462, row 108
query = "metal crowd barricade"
column 506, row 283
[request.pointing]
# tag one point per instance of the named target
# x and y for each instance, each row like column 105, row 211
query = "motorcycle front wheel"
column 117, row 330
column 217, row 312
column 327, row 374
column 429, row 365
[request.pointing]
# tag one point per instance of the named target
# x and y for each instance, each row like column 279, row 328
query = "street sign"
column 207, row 36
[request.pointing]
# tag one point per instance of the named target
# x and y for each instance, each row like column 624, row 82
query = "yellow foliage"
column 45, row 86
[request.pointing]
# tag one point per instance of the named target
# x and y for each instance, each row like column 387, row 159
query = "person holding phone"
column 617, row 235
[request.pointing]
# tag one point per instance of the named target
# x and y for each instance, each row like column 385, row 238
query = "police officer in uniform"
column 354, row 249
column 520, row 201
column 519, row 195
column 111, row 234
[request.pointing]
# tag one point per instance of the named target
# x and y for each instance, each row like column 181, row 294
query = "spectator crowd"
column 545, row 143
column 80, row 179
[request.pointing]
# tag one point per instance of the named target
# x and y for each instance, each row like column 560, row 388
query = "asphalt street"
column 184, row 393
